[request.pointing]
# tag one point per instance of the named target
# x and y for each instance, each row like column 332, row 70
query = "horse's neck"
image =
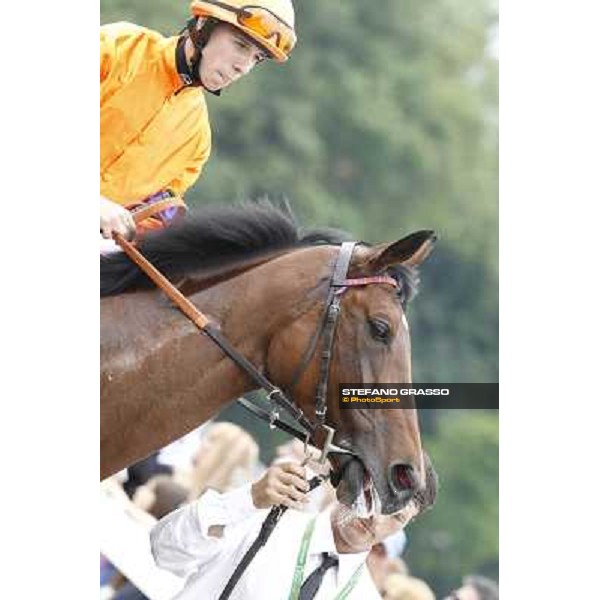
column 197, row 282
column 161, row 378
column 250, row 306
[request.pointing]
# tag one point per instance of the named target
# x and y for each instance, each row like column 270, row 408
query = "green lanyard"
column 301, row 561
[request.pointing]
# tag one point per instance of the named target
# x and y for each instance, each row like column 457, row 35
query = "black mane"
column 216, row 236
column 210, row 237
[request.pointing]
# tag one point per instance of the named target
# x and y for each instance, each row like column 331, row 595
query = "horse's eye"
column 380, row 330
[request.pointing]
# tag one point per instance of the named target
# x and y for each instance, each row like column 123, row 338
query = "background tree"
column 460, row 535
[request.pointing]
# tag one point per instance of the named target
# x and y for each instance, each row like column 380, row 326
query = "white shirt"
column 181, row 544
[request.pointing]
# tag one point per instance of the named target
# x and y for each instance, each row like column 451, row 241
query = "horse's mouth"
column 355, row 487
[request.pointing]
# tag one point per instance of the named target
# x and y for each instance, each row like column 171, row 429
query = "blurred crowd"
column 222, row 456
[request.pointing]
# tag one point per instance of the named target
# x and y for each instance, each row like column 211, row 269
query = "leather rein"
column 339, row 283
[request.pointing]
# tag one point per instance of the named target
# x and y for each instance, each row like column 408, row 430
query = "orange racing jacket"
column 154, row 136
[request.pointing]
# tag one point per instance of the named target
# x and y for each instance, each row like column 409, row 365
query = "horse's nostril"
column 402, row 477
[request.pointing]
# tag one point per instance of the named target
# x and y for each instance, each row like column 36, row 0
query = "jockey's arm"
column 177, row 188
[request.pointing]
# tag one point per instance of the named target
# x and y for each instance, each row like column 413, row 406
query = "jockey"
column 154, row 127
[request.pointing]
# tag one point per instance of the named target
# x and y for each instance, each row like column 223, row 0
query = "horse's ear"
column 410, row 251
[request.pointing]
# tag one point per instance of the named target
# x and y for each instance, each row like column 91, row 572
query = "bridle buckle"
column 328, row 443
column 273, row 417
column 274, row 414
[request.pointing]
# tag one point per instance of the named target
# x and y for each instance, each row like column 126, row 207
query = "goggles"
column 265, row 24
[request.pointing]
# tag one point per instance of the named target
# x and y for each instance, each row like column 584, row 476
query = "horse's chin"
column 356, row 489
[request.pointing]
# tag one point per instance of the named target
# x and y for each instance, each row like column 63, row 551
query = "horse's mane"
column 220, row 235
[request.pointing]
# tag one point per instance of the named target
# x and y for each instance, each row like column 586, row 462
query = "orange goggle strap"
column 260, row 21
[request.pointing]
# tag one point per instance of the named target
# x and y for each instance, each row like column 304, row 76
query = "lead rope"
column 266, row 530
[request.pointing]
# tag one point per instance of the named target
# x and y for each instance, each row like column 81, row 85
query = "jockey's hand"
column 281, row 484
column 115, row 218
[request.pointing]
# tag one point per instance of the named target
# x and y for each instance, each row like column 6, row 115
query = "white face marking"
column 404, row 321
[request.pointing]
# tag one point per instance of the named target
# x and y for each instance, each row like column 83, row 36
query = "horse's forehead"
column 380, row 301
column 376, row 298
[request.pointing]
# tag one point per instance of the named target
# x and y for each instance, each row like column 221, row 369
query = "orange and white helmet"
column 269, row 22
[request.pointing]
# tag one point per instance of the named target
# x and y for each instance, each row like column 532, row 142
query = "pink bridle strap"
column 366, row 281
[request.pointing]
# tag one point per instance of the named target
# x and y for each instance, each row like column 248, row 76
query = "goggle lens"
column 268, row 26
column 259, row 20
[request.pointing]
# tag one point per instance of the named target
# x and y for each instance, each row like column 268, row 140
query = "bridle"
column 326, row 329
column 278, row 398
column 338, row 285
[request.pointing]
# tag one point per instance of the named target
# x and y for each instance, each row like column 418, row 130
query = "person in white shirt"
column 204, row 541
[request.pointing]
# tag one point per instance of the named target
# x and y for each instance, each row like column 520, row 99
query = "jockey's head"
column 231, row 37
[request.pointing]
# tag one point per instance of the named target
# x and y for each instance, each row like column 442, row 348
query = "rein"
column 205, row 327
column 328, row 322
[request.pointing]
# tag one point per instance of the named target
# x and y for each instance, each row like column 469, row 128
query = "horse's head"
column 371, row 345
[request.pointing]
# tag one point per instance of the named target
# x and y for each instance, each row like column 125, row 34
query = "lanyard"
column 301, row 561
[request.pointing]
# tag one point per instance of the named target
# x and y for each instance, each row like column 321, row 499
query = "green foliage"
column 165, row 16
column 460, row 535
column 384, row 121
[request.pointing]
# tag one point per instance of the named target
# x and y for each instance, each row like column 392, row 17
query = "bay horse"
column 255, row 273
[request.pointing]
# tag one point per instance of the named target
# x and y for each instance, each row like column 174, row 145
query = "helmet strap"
column 190, row 75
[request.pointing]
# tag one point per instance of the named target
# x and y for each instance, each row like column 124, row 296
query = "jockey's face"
column 359, row 535
column 228, row 55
